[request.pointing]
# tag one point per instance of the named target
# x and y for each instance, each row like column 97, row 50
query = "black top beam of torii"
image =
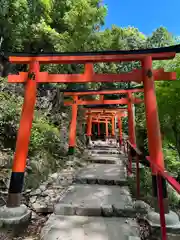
column 98, row 90
column 174, row 48
column 105, row 106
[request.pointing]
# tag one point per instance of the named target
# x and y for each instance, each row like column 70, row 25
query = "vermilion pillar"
column 23, row 137
column 89, row 125
column 131, row 127
column 113, row 126
column 107, row 131
column 153, row 128
column 120, row 129
column 98, row 124
column 72, row 131
column 131, row 130
column 101, row 97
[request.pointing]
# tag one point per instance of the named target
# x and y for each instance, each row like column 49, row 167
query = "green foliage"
column 9, row 117
column 45, row 137
column 160, row 38
column 48, row 24
column 171, row 158
column 145, row 185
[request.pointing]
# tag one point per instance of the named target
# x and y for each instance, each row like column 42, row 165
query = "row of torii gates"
column 103, row 115
column 146, row 75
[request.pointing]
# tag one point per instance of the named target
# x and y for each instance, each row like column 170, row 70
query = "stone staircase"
column 98, row 205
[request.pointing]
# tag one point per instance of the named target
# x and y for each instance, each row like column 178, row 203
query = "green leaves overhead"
column 160, row 38
column 48, row 25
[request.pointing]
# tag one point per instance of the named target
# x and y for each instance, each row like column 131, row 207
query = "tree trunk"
column 4, row 67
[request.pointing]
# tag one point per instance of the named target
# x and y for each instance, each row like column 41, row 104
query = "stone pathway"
column 110, row 174
column 98, row 204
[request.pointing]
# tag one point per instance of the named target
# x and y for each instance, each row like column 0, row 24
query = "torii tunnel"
column 104, row 116
column 129, row 101
column 146, row 75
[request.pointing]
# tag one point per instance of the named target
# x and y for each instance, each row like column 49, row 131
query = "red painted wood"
column 135, row 76
column 104, row 92
column 72, row 130
column 99, row 102
column 131, row 127
column 24, row 132
column 152, row 119
column 90, row 58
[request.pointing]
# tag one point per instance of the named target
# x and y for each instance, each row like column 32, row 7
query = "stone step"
column 104, row 159
column 104, row 151
column 89, row 228
column 106, row 155
column 96, row 200
column 103, row 174
column 105, row 146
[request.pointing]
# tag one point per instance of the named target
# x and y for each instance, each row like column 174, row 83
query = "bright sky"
column 146, row 15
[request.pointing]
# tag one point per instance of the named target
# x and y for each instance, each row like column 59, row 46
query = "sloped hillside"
column 49, row 137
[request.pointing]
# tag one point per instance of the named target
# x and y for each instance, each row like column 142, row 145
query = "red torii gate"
column 116, row 111
column 76, row 101
column 146, row 75
column 98, row 120
column 97, row 117
column 119, row 112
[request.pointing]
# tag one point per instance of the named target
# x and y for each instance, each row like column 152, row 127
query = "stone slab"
column 104, row 174
column 89, row 228
column 91, row 200
column 106, row 155
column 104, row 151
column 103, row 159
column 107, row 148
column 103, row 146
